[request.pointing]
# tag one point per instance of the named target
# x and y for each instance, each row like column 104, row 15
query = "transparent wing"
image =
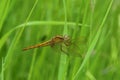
column 56, row 48
column 76, row 48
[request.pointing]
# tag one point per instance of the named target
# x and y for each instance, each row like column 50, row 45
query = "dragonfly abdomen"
column 38, row 45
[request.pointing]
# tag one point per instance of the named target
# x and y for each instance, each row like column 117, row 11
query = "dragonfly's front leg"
column 62, row 49
column 68, row 43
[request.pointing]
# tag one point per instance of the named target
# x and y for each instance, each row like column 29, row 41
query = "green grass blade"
column 2, row 72
column 63, row 58
column 5, row 37
column 90, row 76
column 93, row 43
column 8, row 58
column 4, row 9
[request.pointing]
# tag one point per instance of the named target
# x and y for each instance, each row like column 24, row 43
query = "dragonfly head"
column 67, row 40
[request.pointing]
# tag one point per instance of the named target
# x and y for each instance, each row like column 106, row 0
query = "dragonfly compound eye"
column 66, row 38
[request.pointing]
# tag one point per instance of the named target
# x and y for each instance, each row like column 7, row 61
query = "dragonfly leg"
column 67, row 43
column 61, row 47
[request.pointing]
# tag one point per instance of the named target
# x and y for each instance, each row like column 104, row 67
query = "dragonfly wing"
column 76, row 48
column 56, row 48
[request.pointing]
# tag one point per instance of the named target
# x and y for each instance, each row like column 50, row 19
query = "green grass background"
column 25, row 22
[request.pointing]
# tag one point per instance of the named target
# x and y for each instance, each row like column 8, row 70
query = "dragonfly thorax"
column 67, row 40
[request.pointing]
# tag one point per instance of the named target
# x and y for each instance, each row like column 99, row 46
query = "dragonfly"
column 65, row 45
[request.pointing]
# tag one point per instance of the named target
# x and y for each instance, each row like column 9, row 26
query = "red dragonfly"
column 65, row 44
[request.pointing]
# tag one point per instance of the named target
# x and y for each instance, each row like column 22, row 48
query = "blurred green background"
column 24, row 23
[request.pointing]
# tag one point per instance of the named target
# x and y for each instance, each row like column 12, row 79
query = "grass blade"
column 93, row 43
